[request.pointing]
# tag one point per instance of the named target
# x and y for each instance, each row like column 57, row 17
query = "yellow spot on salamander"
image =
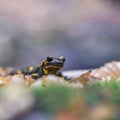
column 30, row 68
column 35, row 74
column 45, row 71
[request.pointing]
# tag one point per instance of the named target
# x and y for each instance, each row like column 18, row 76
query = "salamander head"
column 51, row 65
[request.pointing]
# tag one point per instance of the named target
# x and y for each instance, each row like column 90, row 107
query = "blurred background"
column 86, row 32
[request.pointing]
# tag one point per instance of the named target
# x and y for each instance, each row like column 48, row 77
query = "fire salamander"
column 49, row 65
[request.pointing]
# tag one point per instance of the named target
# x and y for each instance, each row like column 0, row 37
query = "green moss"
column 54, row 98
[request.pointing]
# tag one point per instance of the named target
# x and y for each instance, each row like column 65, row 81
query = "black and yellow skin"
column 49, row 65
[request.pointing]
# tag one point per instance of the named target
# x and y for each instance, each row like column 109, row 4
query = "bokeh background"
column 86, row 32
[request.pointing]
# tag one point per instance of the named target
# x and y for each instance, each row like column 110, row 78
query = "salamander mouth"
column 54, row 65
column 52, row 69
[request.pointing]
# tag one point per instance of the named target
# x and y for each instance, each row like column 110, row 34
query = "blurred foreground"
column 98, row 101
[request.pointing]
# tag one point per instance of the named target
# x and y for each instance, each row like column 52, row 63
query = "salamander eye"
column 62, row 58
column 49, row 58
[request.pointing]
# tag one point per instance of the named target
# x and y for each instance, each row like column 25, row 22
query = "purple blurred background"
column 86, row 32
